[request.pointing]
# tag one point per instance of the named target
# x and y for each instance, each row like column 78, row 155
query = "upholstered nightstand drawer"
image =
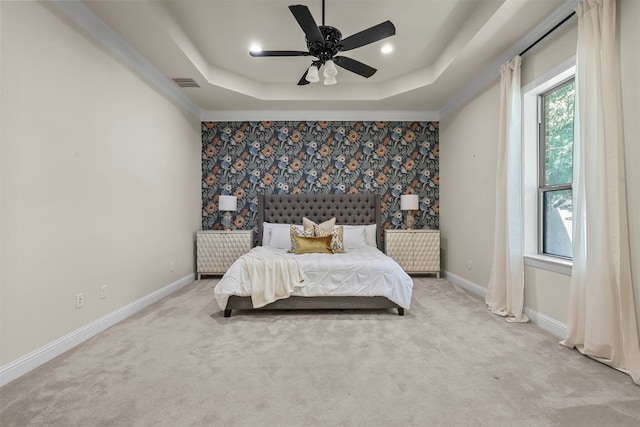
column 417, row 251
column 217, row 250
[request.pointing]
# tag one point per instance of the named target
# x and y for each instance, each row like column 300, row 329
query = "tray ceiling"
column 439, row 47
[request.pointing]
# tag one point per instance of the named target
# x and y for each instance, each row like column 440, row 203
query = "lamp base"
column 226, row 221
column 409, row 221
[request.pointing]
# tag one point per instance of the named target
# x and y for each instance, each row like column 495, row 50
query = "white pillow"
column 354, row 238
column 266, row 233
column 369, row 233
column 326, row 226
column 277, row 235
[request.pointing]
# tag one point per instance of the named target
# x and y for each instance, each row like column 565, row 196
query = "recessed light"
column 387, row 48
column 255, row 48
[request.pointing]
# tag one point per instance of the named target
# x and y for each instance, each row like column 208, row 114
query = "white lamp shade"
column 312, row 74
column 227, row 203
column 330, row 69
column 331, row 80
column 409, row 202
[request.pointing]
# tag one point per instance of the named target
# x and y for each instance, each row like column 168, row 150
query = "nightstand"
column 217, row 250
column 417, row 251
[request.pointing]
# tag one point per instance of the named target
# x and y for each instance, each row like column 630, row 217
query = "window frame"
column 544, row 188
column 531, row 167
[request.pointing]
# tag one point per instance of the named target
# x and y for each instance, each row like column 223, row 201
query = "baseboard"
column 543, row 321
column 30, row 361
column 481, row 291
column 547, row 323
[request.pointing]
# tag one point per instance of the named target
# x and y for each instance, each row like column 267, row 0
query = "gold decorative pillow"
column 313, row 245
column 337, row 238
column 327, row 226
column 295, row 231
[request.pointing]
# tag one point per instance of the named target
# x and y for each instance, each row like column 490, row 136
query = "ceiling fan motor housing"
column 325, row 42
column 329, row 47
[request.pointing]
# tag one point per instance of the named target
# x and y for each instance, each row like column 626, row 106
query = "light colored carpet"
column 448, row 362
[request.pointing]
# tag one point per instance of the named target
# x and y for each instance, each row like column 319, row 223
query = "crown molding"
column 490, row 74
column 94, row 25
column 314, row 115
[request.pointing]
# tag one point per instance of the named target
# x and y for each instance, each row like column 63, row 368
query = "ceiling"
column 439, row 48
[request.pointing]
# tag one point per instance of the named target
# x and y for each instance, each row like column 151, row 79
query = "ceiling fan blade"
column 279, row 53
column 307, row 23
column 354, row 66
column 303, row 81
column 370, row 35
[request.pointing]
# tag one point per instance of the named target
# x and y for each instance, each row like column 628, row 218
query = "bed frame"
column 348, row 209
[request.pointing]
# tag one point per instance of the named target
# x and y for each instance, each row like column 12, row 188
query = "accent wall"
column 246, row 159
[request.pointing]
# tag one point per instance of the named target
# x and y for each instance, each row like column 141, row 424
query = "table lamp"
column 410, row 203
column 227, row 204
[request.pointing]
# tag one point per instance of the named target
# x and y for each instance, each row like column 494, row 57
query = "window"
column 555, row 142
column 548, row 116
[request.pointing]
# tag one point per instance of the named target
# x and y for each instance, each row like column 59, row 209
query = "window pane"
column 557, row 223
column 558, row 136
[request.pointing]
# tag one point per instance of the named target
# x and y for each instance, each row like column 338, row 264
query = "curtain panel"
column 602, row 315
column 505, row 293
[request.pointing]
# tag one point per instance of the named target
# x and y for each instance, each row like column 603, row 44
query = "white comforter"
column 359, row 272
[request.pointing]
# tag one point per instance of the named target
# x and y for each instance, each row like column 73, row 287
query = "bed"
column 362, row 278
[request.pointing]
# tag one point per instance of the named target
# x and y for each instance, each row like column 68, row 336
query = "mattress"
column 364, row 272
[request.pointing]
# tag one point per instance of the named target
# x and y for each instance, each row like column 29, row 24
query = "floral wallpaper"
column 389, row 158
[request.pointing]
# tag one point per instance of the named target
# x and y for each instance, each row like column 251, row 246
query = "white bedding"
column 359, row 272
column 272, row 275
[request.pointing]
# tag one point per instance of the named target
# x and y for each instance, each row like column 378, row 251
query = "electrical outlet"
column 469, row 265
column 171, row 266
column 103, row 291
column 79, row 300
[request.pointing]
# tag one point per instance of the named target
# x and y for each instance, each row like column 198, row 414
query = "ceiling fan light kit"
column 331, row 80
column 329, row 73
column 325, row 42
column 312, row 74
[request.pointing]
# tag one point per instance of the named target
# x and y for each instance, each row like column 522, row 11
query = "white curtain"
column 505, row 294
column 602, row 315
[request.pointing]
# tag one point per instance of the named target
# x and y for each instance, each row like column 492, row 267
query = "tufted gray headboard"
column 348, row 209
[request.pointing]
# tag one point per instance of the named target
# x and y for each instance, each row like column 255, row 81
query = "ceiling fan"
column 325, row 42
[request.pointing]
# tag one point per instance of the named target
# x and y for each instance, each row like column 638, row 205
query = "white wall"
column 100, row 181
column 468, row 140
column 468, row 151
